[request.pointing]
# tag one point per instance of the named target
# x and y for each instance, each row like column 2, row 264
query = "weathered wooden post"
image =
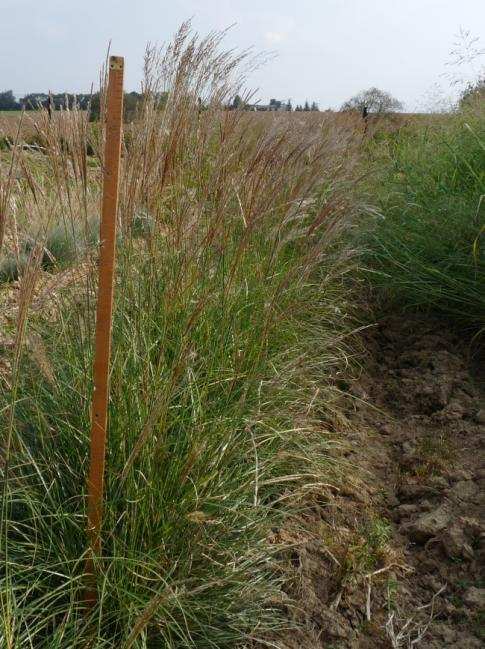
column 99, row 412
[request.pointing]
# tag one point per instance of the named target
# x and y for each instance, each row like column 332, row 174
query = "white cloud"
column 280, row 31
column 275, row 37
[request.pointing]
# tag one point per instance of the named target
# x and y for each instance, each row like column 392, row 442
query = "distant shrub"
column 5, row 143
column 11, row 268
column 66, row 243
column 143, row 224
column 63, row 246
column 473, row 94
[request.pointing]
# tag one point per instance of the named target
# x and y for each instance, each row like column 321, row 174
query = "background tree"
column 34, row 100
column 237, row 102
column 8, row 101
column 306, row 107
column 131, row 101
column 375, row 100
column 131, row 104
column 473, row 93
column 314, row 106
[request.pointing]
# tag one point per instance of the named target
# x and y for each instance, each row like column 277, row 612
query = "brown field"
column 30, row 121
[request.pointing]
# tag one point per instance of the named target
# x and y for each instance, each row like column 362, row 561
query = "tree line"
column 83, row 101
column 274, row 105
column 35, row 100
column 372, row 100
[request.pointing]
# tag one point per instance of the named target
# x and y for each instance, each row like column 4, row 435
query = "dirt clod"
column 475, row 597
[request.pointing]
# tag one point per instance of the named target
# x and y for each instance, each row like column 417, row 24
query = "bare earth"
column 394, row 556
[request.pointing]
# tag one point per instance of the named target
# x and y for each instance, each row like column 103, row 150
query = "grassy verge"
column 426, row 246
column 230, row 318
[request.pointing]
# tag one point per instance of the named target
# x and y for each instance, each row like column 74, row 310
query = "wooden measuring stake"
column 99, row 412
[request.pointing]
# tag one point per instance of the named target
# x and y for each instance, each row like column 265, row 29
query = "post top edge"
column 116, row 62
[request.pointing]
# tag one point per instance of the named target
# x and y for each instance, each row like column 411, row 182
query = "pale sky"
column 326, row 50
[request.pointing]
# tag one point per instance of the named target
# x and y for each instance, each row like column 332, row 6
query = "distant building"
column 274, row 106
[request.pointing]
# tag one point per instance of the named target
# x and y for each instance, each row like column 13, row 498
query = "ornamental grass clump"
column 426, row 248
column 230, row 318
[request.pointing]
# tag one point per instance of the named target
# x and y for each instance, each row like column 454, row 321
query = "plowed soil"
column 393, row 555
